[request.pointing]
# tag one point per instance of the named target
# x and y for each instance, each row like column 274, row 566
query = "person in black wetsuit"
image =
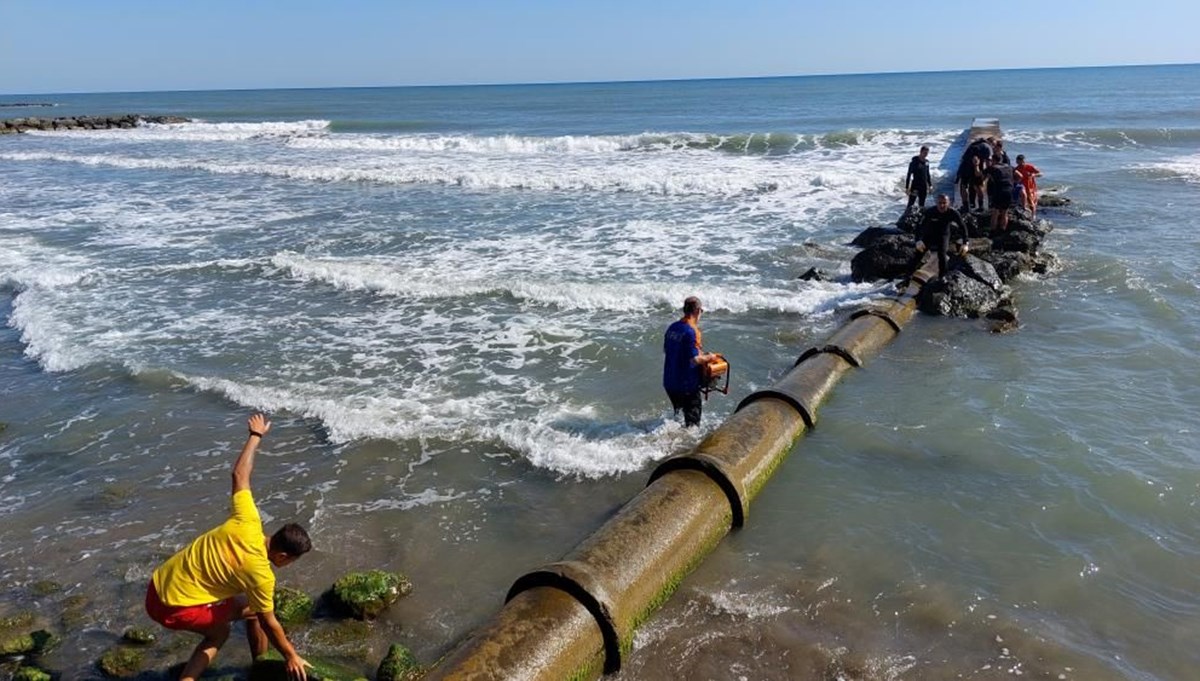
column 1000, row 191
column 935, row 232
column 918, row 180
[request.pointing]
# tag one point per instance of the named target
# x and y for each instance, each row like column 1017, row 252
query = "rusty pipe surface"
column 575, row 619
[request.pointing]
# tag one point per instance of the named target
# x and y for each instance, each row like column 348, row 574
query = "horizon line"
column 608, row 82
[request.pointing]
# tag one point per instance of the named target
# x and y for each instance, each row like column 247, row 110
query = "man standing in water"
column 682, row 364
column 225, row 575
column 918, row 181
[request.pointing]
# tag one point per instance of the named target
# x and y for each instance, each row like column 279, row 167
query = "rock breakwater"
column 15, row 125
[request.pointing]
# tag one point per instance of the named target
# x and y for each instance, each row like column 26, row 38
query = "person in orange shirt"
column 1027, row 174
column 225, row 575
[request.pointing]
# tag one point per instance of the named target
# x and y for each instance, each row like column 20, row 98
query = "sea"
column 450, row 302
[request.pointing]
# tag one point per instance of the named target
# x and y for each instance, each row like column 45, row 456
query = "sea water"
column 451, row 303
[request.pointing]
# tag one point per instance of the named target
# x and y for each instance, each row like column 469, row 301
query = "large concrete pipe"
column 576, row 618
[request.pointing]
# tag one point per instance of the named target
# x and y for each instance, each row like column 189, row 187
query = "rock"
column 139, row 636
column 341, row 638
column 1016, row 240
column 1052, row 201
column 21, row 619
column 44, row 587
column 957, row 295
column 270, row 667
column 32, row 643
column 980, row 270
column 292, row 606
column 75, row 610
column 1004, row 318
column 31, row 674
column 366, row 594
column 910, row 221
column 814, row 274
column 121, row 662
column 399, row 665
column 889, row 258
column 870, row 235
column 1009, row 264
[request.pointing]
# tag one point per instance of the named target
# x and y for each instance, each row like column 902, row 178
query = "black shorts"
column 1000, row 200
column 691, row 405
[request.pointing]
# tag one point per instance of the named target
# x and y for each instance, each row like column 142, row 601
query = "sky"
column 138, row 45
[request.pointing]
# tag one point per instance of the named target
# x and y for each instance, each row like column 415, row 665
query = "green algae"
column 399, row 665
column 45, row 587
column 346, row 638
column 270, row 666
column 292, row 606
column 121, row 662
column 31, row 674
column 21, row 619
column 139, row 636
column 367, row 594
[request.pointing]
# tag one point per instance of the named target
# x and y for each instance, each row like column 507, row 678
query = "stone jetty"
column 15, row 125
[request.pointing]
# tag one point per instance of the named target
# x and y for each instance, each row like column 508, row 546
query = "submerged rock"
column 399, row 665
column 342, row 638
column 814, row 274
column 28, row 643
column 121, row 662
column 21, row 619
column 139, row 636
column 45, row 587
column 366, row 594
column 31, row 674
column 1052, row 201
column 270, row 667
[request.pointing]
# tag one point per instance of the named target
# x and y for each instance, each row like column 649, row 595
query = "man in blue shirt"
column 684, row 356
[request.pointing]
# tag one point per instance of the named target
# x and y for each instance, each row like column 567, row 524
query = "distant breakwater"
column 15, row 125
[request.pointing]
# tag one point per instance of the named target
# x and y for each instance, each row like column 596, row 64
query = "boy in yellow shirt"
column 225, row 575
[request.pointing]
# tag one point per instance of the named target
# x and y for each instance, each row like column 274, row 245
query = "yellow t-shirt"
column 222, row 563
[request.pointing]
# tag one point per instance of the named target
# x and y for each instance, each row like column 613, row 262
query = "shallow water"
column 451, row 301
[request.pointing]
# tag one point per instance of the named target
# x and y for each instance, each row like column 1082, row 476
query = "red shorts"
column 188, row 617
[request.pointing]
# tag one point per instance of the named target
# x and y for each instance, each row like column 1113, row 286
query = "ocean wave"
column 395, row 277
column 1107, row 138
column 1186, row 168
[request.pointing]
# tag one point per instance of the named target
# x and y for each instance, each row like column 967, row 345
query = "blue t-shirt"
column 679, row 346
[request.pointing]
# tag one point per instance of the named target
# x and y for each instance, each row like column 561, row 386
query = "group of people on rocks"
column 985, row 172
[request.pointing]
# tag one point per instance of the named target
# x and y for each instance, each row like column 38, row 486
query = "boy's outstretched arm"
column 259, row 425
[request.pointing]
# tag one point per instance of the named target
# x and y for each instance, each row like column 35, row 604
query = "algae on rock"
column 366, row 594
column 292, row 606
column 121, row 662
column 270, row 666
column 399, row 665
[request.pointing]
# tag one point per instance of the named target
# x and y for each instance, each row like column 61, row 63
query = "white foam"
column 1186, row 168
column 400, row 277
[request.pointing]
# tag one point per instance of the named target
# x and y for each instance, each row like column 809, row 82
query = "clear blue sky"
column 122, row 45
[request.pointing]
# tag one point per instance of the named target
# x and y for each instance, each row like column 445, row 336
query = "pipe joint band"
column 576, row 580
column 877, row 313
column 838, row 350
column 715, row 469
column 797, row 402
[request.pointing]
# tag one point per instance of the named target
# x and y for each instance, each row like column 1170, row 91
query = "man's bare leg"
column 205, row 652
column 256, row 637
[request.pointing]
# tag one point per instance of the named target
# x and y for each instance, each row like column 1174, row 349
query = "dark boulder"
column 870, row 235
column 910, row 221
column 814, row 274
column 1016, row 240
column 1053, row 201
column 890, row 257
column 1004, row 317
column 957, row 295
column 1009, row 264
column 980, row 270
